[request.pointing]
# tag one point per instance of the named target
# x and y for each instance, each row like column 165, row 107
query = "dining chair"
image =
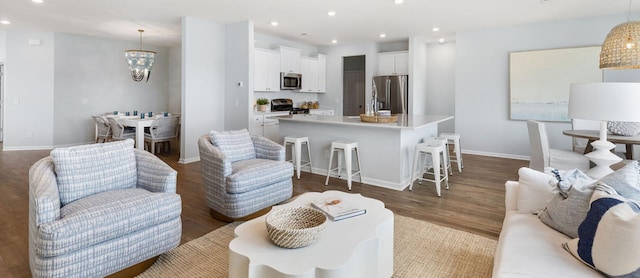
column 120, row 132
column 543, row 156
column 103, row 128
column 162, row 130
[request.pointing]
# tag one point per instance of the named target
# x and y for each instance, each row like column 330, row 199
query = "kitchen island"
column 386, row 149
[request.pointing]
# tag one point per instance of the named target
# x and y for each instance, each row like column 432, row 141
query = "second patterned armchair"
column 244, row 174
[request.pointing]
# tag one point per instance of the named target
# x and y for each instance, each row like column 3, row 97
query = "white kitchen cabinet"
column 266, row 74
column 321, row 112
column 393, row 63
column 322, row 73
column 309, row 71
column 261, row 124
column 289, row 59
column 272, row 131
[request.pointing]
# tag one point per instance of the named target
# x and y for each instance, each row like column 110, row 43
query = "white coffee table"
column 360, row 246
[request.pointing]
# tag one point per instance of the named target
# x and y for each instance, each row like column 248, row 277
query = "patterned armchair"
column 97, row 209
column 244, row 174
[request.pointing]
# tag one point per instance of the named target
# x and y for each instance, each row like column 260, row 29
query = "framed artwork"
column 539, row 81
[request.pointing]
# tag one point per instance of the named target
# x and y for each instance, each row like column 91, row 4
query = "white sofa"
column 529, row 248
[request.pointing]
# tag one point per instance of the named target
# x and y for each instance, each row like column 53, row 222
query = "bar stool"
column 454, row 138
column 435, row 147
column 296, row 152
column 346, row 148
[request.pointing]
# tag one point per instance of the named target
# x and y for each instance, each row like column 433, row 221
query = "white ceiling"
column 355, row 21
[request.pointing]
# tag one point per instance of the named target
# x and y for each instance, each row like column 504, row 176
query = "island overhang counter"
column 386, row 149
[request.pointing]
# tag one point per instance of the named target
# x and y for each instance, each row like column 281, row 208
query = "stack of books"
column 337, row 208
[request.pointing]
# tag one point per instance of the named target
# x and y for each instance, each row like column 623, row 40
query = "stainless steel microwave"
column 290, row 81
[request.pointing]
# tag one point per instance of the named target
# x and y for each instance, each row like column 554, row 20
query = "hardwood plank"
column 474, row 202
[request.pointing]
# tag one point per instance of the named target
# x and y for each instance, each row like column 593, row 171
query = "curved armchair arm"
column 267, row 149
column 44, row 200
column 215, row 166
column 153, row 174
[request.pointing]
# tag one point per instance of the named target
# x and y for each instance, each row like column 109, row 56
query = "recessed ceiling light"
column 274, row 23
column 435, row 29
column 4, row 21
column 398, row 1
column 383, row 35
column 441, row 40
column 331, row 13
column 334, row 41
column 37, row 1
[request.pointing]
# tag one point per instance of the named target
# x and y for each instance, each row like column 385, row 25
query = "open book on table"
column 337, row 208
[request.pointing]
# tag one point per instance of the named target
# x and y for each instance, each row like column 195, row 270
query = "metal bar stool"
column 435, row 147
column 454, row 138
column 296, row 152
column 346, row 148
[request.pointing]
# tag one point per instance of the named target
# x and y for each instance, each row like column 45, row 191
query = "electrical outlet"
column 30, row 134
column 326, row 153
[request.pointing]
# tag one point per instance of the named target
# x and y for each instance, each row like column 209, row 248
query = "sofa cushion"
column 105, row 216
column 234, row 144
column 535, row 190
column 566, row 210
column 609, row 237
column 89, row 169
column 251, row 174
column 626, row 180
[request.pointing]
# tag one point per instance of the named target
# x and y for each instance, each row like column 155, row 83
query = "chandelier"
column 140, row 62
column 621, row 48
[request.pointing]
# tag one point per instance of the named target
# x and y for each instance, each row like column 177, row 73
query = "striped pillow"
column 234, row 144
column 610, row 235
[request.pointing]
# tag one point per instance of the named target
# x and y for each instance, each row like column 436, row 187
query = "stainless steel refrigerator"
column 392, row 93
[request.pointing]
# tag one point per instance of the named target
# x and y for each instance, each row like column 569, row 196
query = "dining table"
column 139, row 124
column 592, row 135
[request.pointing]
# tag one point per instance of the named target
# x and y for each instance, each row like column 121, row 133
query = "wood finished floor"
column 474, row 203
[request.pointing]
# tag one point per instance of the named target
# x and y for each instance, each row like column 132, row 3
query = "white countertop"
column 404, row 121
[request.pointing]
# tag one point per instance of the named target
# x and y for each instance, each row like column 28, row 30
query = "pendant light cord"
column 629, row 11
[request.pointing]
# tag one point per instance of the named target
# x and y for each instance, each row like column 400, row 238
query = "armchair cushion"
column 252, row 174
column 234, row 144
column 89, row 169
column 105, row 216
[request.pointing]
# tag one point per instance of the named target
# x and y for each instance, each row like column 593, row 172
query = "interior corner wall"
column 203, row 83
column 418, row 60
column 441, row 82
column 3, row 46
column 175, row 80
column 92, row 77
column 239, row 70
column 482, row 81
column 29, row 78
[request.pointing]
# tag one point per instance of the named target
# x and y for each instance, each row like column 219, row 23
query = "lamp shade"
column 607, row 101
column 621, row 48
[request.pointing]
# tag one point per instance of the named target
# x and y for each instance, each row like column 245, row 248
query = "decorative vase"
column 262, row 108
column 623, row 128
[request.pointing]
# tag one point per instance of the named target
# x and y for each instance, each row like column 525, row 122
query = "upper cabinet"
column 393, row 63
column 309, row 71
column 322, row 73
column 289, row 60
column 266, row 75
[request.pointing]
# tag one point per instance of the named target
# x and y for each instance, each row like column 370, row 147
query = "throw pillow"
column 626, row 181
column 535, row 190
column 234, row 144
column 609, row 237
column 566, row 210
column 89, row 169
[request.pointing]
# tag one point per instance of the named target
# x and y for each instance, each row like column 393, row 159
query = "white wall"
column 418, row 77
column 239, row 69
column 263, row 40
column 482, row 81
column 441, row 82
column 29, row 91
column 203, row 83
column 91, row 77
column 3, row 46
column 175, row 79
column 333, row 97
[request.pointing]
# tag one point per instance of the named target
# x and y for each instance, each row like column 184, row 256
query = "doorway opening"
column 353, row 85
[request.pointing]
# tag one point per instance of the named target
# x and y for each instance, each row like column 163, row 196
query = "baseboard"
column 188, row 160
column 27, row 148
column 500, row 155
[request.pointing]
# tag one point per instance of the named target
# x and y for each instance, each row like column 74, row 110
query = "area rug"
column 421, row 249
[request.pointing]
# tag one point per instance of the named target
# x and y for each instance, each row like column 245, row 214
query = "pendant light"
column 140, row 62
column 621, row 48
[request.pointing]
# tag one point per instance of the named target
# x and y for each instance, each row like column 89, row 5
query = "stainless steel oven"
column 290, row 81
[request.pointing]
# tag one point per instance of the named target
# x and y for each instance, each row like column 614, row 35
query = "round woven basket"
column 295, row 227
